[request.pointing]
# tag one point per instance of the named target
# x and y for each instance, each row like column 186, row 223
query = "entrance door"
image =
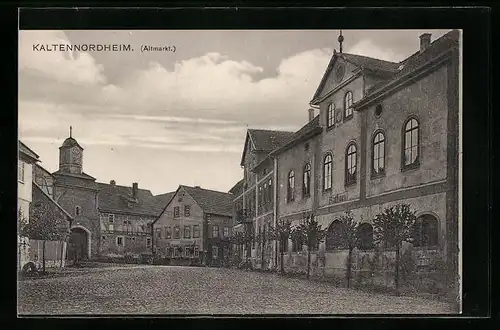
column 78, row 247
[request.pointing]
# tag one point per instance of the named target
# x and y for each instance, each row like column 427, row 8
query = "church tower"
column 70, row 156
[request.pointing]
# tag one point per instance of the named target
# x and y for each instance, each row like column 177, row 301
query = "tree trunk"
column 308, row 261
column 43, row 256
column 349, row 268
column 282, row 264
column 396, row 276
column 62, row 251
column 262, row 256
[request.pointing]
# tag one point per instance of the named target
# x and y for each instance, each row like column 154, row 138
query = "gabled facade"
column 195, row 224
column 383, row 133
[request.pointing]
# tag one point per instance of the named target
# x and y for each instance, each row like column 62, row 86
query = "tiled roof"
column 38, row 188
column 115, row 198
column 300, row 134
column 158, row 202
column 370, row 63
column 211, row 201
column 418, row 59
column 27, row 151
column 268, row 140
column 237, row 188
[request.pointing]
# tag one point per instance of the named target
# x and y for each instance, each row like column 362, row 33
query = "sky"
column 167, row 118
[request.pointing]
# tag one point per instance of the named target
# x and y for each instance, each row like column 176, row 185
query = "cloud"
column 366, row 47
column 67, row 67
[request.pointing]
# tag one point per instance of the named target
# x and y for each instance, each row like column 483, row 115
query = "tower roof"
column 70, row 142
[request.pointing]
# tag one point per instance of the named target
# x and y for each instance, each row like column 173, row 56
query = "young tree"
column 392, row 227
column 238, row 239
column 281, row 234
column 44, row 224
column 347, row 236
column 310, row 232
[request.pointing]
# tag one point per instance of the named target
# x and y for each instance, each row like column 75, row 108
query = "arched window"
column 350, row 164
column 327, row 172
column 291, row 186
column 425, row 231
column 411, row 143
column 306, row 182
column 348, row 105
column 334, row 240
column 378, row 153
column 330, row 115
column 365, row 236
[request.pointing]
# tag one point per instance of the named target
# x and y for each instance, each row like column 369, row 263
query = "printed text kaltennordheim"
column 82, row 48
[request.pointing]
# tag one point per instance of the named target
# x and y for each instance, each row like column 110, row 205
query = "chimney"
column 425, row 41
column 112, row 182
column 135, row 187
column 198, row 187
column 311, row 114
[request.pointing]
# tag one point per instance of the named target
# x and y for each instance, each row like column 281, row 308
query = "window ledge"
column 330, row 128
column 377, row 175
column 348, row 118
column 413, row 166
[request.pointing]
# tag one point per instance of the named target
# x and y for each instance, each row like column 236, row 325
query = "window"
column 187, row 252
column 226, row 232
column 215, row 252
column 327, row 172
column 348, row 105
column 378, row 152
column 260, row 196
column 177, row 232
column 265, row 193
column 158, row 232
column 330, row 115
column 111, row 218
column 291, row 186
column 208, row 217
column 378, row 110
column 119, row 241
column 177, row 251
column 215, row 231
column 78, row 210
column 306, row 182
column 264, row 172
column 187, row 231
column 168, row 232
column 350, row 164
column 111, row 227
column 196, row 252
column 425, row 231
column 20, row 173
column 270, row 192
column 148, row 242
column 365, row 236
column 176, row 212
column 196, row 231
column 187, row 210
column 410, row 143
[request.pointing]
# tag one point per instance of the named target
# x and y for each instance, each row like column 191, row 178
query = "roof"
column 363, row 62
column 36, row 186
column 115, row 198
column 311, row 127
column 70, row 142
column 237, row 188
column 27, row 151
column 211, row 201
column 83, row 175
column 265, row 140
column 157, row 203
column 417, row 60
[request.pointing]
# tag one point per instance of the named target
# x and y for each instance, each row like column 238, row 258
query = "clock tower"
column 70, row 156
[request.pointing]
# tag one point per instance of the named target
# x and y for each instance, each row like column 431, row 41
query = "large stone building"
column 108, row 219
column 378, row 133
column 196, row 223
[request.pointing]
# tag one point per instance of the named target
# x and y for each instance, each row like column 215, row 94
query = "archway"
column 80, row 240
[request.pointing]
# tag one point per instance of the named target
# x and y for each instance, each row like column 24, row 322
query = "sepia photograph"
column 261, row 172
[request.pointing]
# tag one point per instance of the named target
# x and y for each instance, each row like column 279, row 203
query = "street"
column 148, row 289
